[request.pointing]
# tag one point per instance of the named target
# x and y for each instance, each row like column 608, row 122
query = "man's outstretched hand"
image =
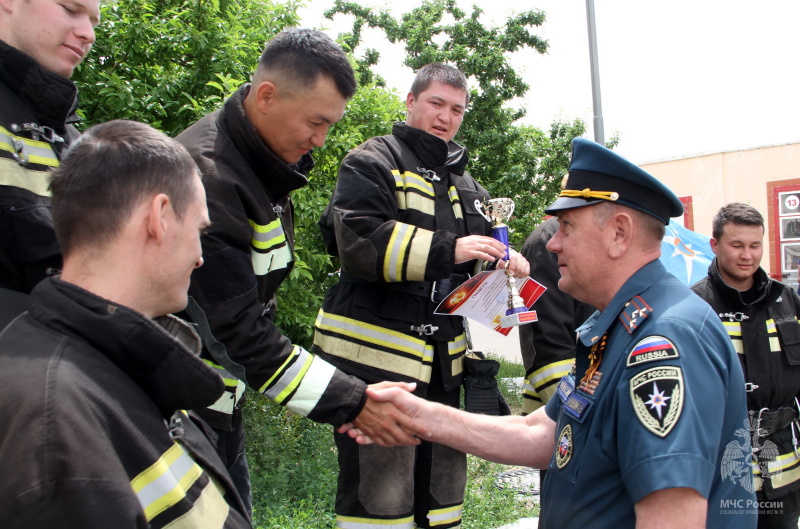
column 382, row 423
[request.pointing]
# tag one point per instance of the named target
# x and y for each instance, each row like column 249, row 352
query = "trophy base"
column 518, row 318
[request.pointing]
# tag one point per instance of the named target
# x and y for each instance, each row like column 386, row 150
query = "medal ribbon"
column 595, row 357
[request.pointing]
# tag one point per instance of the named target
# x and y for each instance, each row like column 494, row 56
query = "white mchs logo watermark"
column 740, row 461
column 742, row 458
column 734, row 506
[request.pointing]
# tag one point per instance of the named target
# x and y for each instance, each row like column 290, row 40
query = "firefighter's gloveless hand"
column 383, row 422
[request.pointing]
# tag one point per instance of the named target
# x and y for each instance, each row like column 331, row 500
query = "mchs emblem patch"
column 657, row 398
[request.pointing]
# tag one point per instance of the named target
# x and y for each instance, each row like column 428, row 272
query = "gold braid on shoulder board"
column 588, row 193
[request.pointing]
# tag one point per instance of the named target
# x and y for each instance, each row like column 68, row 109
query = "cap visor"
column 570, row 203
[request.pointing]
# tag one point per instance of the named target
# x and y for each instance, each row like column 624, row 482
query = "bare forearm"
column 678, row 508
column 511, row 440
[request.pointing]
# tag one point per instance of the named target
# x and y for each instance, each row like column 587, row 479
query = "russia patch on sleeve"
column 657, row 398
column 651, row 349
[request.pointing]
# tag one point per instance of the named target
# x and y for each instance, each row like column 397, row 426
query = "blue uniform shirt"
column 666, row 409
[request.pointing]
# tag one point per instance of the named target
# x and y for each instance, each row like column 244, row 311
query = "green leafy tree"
column 509, row 159
column 170, row 62
column 536, row 164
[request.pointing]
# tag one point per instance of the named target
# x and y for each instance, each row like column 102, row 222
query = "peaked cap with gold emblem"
column 597, row 174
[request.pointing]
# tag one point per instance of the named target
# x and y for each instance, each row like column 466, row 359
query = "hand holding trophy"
column 497, row 211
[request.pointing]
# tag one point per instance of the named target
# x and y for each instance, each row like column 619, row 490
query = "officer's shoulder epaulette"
column 634, row 313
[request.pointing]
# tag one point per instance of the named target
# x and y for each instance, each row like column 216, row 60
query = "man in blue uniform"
column 650, row 428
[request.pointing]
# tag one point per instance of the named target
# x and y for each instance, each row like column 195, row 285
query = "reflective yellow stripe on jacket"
column 455, row 351
column 734, row 329
column 300, row 382
column 234, row 389
column 407, row 253
column 456, row 201
column 784, row 471
column 772, row 332
column 376, row 346
column 540, row 385
column 169, row 480
column 414, row 192
column 350, row 522
column 32, row 175
column 269, row 248
column 446, row 515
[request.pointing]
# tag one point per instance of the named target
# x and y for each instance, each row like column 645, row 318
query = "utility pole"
column 599, row 137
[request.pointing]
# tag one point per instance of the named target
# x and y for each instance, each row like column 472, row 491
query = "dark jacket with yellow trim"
column 400, row 203
column 773, row 367
column 248, row 253
column 90, row 391
column 548, row 348
column 30, row 95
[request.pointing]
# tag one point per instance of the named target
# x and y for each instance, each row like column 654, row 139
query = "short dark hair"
column 444, row 73
column 106, row 174
column 737, row 213
column 302, row 55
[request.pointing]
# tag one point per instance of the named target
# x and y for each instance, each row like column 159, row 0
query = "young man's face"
column 293, row 122
column 58, row 34
column 184, row 251
column 439, row 110
column 739, row 251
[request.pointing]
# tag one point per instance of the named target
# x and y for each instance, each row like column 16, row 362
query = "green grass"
column 293, row 470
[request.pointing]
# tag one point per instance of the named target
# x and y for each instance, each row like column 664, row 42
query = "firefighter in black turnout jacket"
column 404, row 223
column 94, row 378
column 41, row 42
column 761, row 317
column 253, row 152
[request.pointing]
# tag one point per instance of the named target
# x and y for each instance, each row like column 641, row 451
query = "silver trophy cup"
column 497, row 211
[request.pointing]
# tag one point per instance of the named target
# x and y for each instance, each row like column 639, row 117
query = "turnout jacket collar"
column 432, row 150
column 159, row 356
column 51, row 98
column 732, row 297
column 283, row 177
